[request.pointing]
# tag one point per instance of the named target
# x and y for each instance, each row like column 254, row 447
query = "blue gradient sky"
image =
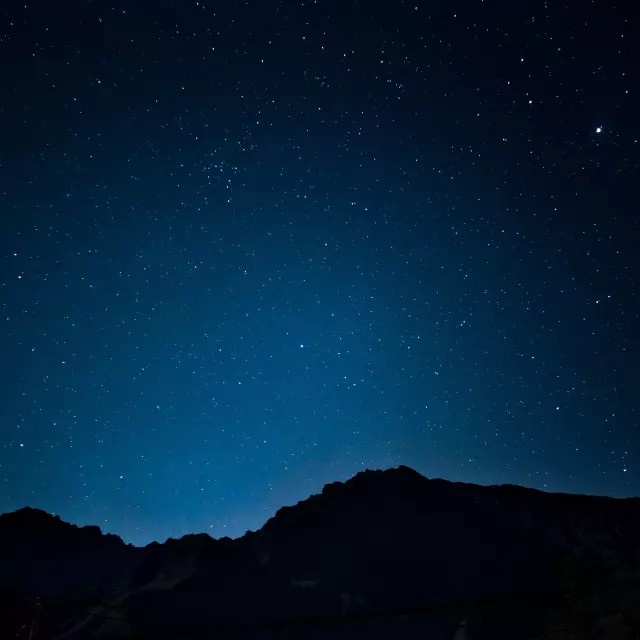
column 249, row 249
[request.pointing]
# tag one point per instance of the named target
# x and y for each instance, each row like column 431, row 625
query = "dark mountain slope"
column 68, row 567
column 43, row 555
column 388, row 552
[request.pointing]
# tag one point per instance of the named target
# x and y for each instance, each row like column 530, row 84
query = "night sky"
column 249, row 248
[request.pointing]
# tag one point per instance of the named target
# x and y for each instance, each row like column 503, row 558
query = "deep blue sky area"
column 249, row 248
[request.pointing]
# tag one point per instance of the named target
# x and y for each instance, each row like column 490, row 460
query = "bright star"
column 598, row 129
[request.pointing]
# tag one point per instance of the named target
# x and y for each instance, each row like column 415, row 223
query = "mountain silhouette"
column 385, row 554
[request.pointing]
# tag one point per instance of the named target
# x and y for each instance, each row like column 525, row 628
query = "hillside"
column 387, row 553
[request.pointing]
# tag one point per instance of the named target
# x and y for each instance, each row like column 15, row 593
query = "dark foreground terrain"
column 388, row 554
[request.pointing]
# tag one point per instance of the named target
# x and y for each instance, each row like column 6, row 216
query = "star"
column 437, row 317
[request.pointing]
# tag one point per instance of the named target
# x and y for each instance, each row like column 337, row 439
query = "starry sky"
column 251, row 247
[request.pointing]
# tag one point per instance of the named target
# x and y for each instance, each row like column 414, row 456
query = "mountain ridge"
column 24, row 514
column 384, row 540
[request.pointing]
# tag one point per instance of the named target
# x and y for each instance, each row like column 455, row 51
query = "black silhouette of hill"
column 387, row 553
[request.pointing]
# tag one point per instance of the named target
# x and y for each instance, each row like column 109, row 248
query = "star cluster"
column 251, row 247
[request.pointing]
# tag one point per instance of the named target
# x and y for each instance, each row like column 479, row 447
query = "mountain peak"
column 31, row 518
column 383, row 540
column 36, row 523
